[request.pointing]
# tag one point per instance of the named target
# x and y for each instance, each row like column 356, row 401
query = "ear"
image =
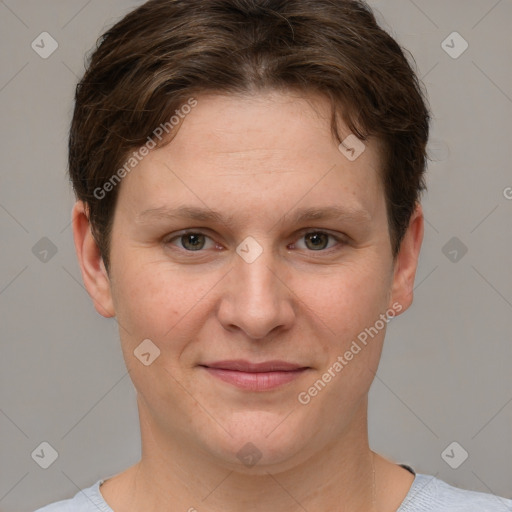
column 406, row 261
column 94, row 274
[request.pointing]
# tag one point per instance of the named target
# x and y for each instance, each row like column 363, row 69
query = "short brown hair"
column 165, row 51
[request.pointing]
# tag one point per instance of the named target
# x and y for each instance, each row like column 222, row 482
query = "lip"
column 255, row 376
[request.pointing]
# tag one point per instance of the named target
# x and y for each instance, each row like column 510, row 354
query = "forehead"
column 266, row 123
column 260, row 149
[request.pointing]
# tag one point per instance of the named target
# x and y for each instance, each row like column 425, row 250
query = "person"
column 248, row 176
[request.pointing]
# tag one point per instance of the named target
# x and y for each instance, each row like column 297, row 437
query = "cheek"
column 142, row 302
column 351, row 347
column 351, row 299
column 360, row 327
column 350, row 304
column 155, row 301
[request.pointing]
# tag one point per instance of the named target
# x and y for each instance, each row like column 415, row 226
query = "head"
column 249, row 110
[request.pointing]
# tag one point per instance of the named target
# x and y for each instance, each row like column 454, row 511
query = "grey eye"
column 316, row 240
column 193, row 241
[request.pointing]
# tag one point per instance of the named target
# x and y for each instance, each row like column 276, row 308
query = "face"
column 256, row 258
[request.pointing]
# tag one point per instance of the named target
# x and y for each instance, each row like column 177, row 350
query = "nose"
column 256, row 298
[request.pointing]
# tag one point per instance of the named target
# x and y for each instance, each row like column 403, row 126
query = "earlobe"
column 94, row 274
column 406, row 262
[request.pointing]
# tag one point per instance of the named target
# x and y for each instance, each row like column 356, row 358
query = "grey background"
column 445, row 373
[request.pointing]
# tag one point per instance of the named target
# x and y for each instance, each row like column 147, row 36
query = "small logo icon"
column 146, row 352
column 454, row 45
column 352, row 147
column 438, row 150
column 454, row 250
column 44, row 250
column 45, row 455
column 44, row 45
column 249, row 250
column 454, row 455
column 249, row 455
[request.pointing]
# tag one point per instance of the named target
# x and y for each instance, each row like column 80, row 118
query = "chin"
column 261, row 443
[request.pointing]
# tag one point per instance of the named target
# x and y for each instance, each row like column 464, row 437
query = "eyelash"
column 340, row 240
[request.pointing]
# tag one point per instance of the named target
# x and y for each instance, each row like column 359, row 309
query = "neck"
column 173, row 475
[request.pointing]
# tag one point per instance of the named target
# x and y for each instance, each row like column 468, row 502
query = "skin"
column 257, row 158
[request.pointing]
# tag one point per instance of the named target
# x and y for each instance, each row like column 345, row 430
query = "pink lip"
column 255, row 376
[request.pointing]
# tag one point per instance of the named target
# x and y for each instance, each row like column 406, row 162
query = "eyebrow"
column 334, row 212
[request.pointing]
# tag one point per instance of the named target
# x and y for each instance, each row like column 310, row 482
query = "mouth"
column 255, row 376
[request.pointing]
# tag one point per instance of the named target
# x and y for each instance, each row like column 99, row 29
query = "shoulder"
column 86, row 500
column 429, row 494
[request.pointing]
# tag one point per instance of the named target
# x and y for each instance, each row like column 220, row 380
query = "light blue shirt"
column 427, row 494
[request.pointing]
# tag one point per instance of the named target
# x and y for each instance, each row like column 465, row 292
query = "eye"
column 191, row 241
column 195, row 241
column 318, row 240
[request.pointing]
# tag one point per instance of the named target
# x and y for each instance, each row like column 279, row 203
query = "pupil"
column 318, row 240
column 195, row 241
